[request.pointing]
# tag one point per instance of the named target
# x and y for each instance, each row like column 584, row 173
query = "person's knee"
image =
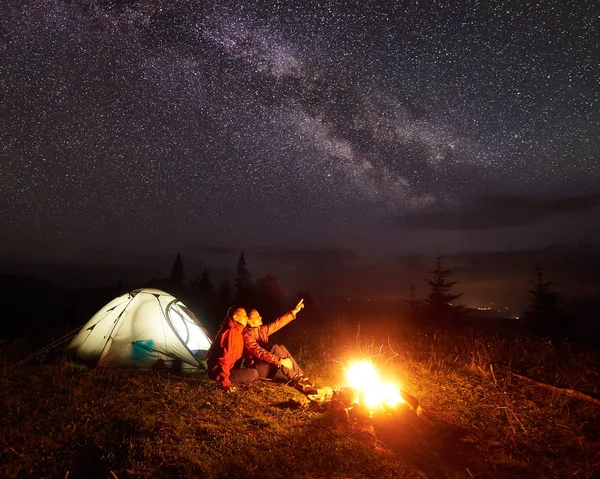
column 280, row 350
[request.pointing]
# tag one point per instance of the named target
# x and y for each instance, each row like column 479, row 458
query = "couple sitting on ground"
column 243, row 336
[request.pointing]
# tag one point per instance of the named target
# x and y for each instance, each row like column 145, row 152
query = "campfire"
column 365, row 396
column 370, row 391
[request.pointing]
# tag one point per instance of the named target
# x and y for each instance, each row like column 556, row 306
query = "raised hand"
column 299, row 306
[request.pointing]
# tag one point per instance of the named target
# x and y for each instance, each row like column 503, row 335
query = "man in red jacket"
column 268, row 360
column 227, row 349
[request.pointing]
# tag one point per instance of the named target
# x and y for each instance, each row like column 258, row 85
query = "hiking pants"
column 246, row 375
column 268, row 370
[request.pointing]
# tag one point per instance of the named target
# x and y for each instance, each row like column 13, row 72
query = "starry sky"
column 340, row 144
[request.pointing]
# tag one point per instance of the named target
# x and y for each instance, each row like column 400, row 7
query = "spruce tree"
column 205, row 286
column 243, row 282
column 545, row 316
column 413, row 303
column 177, row 277
column 203, row 289
column 205, row 300
column 439, row 306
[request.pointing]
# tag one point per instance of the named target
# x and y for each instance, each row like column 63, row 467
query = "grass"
column 59, row 420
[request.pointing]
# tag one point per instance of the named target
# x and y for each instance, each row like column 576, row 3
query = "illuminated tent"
column 142, row 329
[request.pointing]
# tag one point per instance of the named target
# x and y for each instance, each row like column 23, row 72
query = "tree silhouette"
column 177, row 276
column 243, row 283
column 205, row 286
column 545, row 316
column 204, row 299
column 413, row 303
column 438, row 306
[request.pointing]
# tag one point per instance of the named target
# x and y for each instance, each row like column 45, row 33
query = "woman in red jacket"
column 225, row 353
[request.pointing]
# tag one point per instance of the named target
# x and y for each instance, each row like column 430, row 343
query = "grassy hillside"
column 62, row 420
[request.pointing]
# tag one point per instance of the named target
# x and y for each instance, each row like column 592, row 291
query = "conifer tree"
column 545, row 316
column 205, row 300
column 412, row 301
column 177, row 277
column 205, row 286
column 439, row 305
column 243, row 282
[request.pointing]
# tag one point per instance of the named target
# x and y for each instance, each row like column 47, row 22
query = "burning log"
column 366, row 396
column 412, row 402
column 374, row 394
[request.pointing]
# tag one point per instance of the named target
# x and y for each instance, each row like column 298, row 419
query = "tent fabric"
column 144, row 328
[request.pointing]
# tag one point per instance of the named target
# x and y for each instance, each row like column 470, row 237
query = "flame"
column 362, row 375
column 374, row 393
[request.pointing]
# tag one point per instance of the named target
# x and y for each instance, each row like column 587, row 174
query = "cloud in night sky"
column 502, row 211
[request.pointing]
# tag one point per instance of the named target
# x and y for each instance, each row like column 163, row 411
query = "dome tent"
column 142, row 329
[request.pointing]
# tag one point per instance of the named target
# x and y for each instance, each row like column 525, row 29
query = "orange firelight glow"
column 363, row 377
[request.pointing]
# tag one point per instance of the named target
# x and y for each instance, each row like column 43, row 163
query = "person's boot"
column 304, row 385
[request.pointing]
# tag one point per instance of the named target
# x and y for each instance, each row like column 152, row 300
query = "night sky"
column 340, row 144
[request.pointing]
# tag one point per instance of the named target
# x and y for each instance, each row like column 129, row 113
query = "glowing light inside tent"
column 188, row 330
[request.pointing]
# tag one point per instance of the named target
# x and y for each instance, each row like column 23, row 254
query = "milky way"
column 150, row 125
